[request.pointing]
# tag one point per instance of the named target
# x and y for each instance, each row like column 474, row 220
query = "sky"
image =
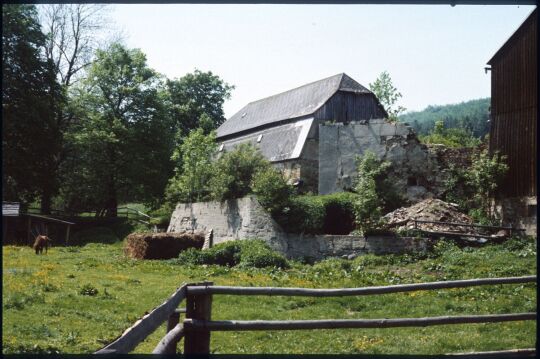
column 435, row 54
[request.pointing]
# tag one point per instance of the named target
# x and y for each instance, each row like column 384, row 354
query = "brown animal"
column 40, row 243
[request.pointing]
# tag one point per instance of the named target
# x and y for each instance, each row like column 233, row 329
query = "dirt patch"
column 161, row 245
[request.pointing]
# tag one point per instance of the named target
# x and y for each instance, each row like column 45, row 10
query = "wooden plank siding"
column 514, row 109
column 349, row 106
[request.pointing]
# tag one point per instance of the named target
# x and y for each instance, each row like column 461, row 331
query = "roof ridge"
column 305, row 85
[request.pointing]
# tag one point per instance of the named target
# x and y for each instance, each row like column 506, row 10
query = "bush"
column 245, row 253
column 233, row 172
column 160, row 245
column 329, row 214
column 94, row 235
column 304, row 214
column 271, row 189
column 368, row 206
column 339, row 213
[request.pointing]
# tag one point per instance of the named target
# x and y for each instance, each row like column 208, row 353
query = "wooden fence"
column 197, row 326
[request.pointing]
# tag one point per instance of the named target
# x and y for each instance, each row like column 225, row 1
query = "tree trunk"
column 46, row 202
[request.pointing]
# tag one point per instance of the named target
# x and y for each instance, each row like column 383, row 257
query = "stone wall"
column 340, row 145
column 245, row 218
column 234, row 219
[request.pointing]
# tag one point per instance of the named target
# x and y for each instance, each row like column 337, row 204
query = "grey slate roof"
column 279, row 143
column 298, row 102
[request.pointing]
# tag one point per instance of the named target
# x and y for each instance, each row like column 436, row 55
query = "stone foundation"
column 244, row 218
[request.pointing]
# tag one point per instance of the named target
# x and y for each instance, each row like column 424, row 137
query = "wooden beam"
column 146, row 325
column 45, row 218
column 198, row 307
column 308, row 292
column 248, row 325
column 170, row 340
column 512, row 353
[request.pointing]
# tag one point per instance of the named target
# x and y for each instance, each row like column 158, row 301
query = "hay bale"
column 161, row 245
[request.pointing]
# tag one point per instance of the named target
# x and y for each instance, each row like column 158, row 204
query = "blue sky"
column 434, row 54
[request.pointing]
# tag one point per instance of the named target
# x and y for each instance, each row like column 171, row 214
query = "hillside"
column 471, row 115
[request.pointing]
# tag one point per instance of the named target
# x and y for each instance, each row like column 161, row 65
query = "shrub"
column 257, row 254
column 160, row 245
column 368, row 206
column 330, row 214
column 94, row 235
column 339, row 213
column 271, row 189
column 246, row 253
column 233, row 172
column 304, row 214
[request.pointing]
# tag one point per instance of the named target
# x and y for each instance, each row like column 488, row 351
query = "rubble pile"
column 430, row 210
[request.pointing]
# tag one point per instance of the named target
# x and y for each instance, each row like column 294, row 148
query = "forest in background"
column 471, row 116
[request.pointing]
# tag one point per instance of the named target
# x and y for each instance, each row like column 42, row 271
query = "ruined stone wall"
column 244, row 218
column 340, row 144
column 241, row 218
column 520, row 212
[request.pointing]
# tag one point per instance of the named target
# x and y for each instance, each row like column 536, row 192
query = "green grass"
column 77, row 299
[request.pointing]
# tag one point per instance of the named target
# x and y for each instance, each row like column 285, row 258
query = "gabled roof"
column 299, row 102
column 278, row 143
column 532, row 16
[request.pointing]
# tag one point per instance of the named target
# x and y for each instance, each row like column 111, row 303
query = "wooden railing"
column 197, row 326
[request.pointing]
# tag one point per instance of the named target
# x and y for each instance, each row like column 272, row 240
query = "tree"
column 484, row 176
column 368, row 205
column 190, row 182
column 451, row 137
column 388, row 95
column 30, row 96
column 234, row 172
column 123, row 137
column 71, row 39
column 197, row 101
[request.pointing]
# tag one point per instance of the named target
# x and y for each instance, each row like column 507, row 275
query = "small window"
column 221, row 148
column 244, row 115
column 259, row 138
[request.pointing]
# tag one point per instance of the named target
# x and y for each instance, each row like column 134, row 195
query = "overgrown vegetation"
column 248, row 253
column 471, row 116
column 331, row 214
column 388, row 95
column 63, row 321
column 369, row 204
column 451, row 137
column 471, row 188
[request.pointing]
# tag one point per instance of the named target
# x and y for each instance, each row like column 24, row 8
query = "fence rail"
column 197, row 326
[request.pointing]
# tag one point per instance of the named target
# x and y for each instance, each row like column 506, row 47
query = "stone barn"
column 315, row 132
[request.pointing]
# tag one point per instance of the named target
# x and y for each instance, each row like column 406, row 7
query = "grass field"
column 77, row 299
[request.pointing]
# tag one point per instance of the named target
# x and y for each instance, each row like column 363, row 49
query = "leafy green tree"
column 271, row 188
column 234, row 172
column 388, row 95
column 471, row 116
column 451, row 137
column 123, row 138
column 484, row 176
column 197, row 101
column 30, row 94
column 368, row 205
column 191, row 180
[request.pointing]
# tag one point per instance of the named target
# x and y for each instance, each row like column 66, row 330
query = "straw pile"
column 161, row 245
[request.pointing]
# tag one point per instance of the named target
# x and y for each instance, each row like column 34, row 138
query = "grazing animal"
column 40, row 243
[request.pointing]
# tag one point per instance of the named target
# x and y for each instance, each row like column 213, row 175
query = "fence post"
column 198, row 307
column 174, row 319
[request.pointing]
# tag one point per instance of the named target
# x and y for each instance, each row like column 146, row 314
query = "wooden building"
column 285, row 127
column 513, row 132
